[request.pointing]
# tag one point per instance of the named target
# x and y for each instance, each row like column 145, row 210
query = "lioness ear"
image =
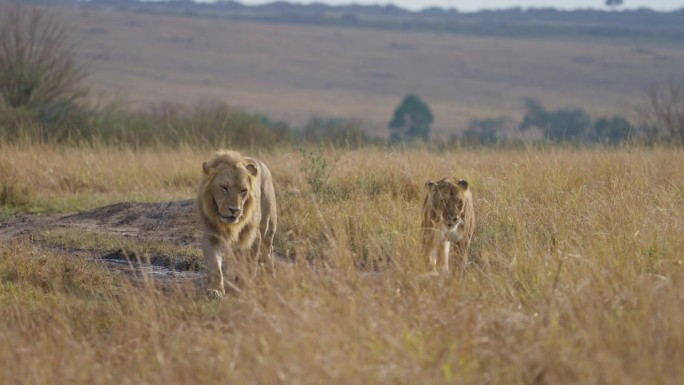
column 463, row 183
column 429, row 184
column 252, row 168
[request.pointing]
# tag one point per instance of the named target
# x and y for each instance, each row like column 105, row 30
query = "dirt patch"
column 174, row 223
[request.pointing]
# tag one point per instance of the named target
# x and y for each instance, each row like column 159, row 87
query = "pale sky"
column 468, row 6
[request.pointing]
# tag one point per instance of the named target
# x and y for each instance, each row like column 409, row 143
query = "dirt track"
column 169, row 222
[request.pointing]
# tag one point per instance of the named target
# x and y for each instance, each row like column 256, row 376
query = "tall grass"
column 576, row 275
column 59, row 178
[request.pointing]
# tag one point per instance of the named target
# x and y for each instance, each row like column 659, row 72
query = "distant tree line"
column 631, row 25
column 662, row 122
column 574, row 125
column 554, row 126
column 412, row 119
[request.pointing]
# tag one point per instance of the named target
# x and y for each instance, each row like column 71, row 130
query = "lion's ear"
column 429, row 184
column 206, row 167
column 463, row 184
column 252, row 169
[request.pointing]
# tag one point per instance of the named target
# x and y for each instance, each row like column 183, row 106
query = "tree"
column 411, row 120
column 613, row 3
column 38, row 66
column 557, row 125
column 335, row 131
column 610, row 131
column 486, row 131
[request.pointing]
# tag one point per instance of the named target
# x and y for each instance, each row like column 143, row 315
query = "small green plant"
column 315, row 168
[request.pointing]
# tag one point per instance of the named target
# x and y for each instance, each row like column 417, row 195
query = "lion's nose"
column 233, row 210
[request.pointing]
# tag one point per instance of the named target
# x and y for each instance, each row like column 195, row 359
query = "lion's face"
column 447, row 201
column 231, row 190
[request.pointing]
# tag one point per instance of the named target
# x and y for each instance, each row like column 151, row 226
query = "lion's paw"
column 214, row 294
column 430, row 274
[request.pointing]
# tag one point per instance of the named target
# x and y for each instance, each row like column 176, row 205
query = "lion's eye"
column 225, row 188
column 244, row 191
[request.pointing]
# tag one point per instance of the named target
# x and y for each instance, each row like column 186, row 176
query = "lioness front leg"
column 444, row 256
column 430, row 253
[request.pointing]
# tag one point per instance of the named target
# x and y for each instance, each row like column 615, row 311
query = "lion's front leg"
column 213, row 257
column 267, row 259
column 262, row 250
column 266, row 255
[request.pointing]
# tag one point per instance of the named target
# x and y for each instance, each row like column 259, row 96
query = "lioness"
column 237, row 208
column 448, row 216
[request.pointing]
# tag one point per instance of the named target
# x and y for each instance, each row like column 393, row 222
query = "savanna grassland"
column 575, row 275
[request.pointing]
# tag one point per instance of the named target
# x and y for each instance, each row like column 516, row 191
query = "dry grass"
column 67, row 178
column 576, row 275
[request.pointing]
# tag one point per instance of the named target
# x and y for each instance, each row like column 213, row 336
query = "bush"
column 315, row 168
column 486, row 131
column 610, row 131
column 335, row 131
column 556, row 125
column 207, row 124
column 664, row 116
column 38, row 65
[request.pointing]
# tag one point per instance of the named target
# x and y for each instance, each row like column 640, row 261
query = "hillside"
column 639, row 24
column 295, row 71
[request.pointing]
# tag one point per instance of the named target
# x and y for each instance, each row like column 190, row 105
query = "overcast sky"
column 467, row 6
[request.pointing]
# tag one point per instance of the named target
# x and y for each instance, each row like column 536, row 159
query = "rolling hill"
column 294, row 71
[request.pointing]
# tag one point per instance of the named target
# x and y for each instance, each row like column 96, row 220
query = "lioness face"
column 448, row 202
column 231, row 190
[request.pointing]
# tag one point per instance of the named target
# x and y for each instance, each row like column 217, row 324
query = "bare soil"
column 170, row 223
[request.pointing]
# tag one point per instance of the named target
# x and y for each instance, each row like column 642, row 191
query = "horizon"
column 462, row 6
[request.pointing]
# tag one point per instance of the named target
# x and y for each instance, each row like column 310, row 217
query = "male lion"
column 448, row 216
column 237, row 208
